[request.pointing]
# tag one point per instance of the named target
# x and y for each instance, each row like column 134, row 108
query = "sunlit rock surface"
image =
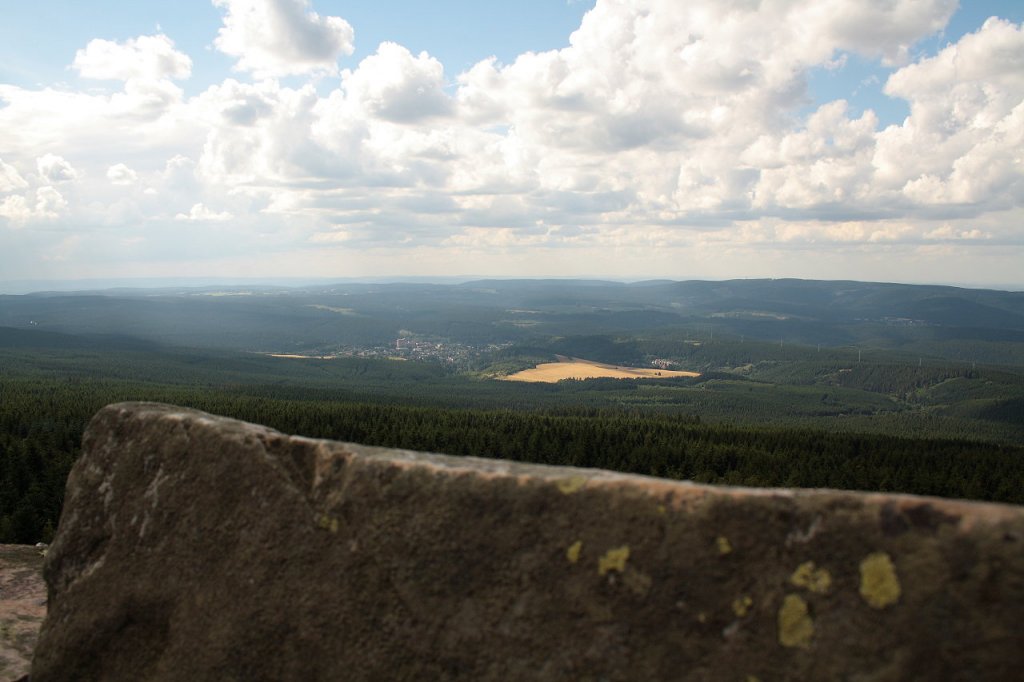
column 197, row 547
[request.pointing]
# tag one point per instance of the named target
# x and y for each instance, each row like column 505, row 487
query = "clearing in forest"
column 575, row 368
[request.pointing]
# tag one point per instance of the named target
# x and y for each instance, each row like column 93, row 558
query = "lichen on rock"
column 879, row 584
column 613, row 560
column 796, row 627
column 809, row 576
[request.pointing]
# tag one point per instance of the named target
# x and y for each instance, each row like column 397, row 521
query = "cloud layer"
column 665, row 135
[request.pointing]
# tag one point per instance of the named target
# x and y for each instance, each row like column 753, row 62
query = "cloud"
column 826, row 163
column 146, row 57
column 49, row 203
column 19, row 210
column 662, row 125
column 396, row 86
column 10, row 178
column 962, row 142
column 257, row 135
column 333, row 237
column 16, row 209
column 55, row 169
column 199, row 212
column 120, row 174
column 145, row 117
column 880, row 29
column 274, row 38
column 949, row 233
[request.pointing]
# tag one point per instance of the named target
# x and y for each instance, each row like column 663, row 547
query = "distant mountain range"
column 934, row 320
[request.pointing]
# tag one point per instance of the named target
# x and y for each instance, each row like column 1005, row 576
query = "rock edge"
column 197, row 547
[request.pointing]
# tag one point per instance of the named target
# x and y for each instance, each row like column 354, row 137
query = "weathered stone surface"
column 22, row 607
column 195, row 547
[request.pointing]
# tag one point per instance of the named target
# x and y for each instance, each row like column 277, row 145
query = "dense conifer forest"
column 42, row 420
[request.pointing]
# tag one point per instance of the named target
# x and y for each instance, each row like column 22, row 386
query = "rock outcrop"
column 197, row 547
column 22, row 607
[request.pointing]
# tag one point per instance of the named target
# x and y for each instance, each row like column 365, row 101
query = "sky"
column 829, row 139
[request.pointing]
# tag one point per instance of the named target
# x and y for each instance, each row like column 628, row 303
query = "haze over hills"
column 940, row 321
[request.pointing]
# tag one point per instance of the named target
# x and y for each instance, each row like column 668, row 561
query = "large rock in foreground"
column 196, row 547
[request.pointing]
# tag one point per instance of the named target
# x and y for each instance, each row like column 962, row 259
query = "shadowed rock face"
column 196, row 547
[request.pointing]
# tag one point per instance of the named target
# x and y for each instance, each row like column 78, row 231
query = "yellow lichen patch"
column 572, row 484
column 741, row 605
column 809, row 576
column 326, row 522
column 723, row 545
column 879, row 584
column 573, row 553
column 702, row 617
column 662, row 509
column 795, row 624
column 613, row 560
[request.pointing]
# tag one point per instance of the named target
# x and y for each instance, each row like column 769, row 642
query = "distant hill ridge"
column 279, row 319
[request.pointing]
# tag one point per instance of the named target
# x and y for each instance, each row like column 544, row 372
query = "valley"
column 675, row 379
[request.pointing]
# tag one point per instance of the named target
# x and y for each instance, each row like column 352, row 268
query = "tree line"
column 42, row 421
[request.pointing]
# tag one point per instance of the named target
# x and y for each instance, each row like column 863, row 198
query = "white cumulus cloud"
column 199, row 212
column 282, row 37
column 55, row 169
column 398, row 86
column 10, row 178
column 49, row 202
column 120, row 174
column 16, row 209
column 20, row 210
column 963, row 139
column 147, row 57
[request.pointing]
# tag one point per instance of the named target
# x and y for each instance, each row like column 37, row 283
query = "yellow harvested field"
column 298, row 357
column 574, row 368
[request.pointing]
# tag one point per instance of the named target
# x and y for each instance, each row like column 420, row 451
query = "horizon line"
column 23, row 286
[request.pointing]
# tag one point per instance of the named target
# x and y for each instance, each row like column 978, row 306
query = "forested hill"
column 837, row 300
column 968, row 324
